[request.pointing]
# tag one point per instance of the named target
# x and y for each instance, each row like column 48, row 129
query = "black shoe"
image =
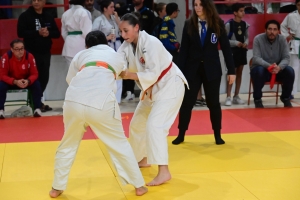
column 219, row 141
column 258, row 103
column 286, row 102
column 200, row 102
column 178, row 140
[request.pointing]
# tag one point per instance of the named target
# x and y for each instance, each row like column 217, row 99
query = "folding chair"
column 269, row 93
column 21, row 102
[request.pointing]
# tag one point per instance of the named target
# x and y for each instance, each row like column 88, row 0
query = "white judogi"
column 90, row 101
column 77, row 18
column 104, row 25
column 291, row 24
column 152, row 119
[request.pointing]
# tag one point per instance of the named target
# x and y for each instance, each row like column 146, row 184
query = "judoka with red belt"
column 162, row 90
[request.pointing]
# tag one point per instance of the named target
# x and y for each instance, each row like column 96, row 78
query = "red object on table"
column 273, row 77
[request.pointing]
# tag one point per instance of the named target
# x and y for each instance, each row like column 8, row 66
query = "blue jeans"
column 35, row 88
column 260, row 75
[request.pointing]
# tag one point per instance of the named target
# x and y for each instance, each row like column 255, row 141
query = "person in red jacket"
column 18, row 71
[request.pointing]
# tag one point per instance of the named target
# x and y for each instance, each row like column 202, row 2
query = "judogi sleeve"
column 73, row 69
column 85, row 24
column 284, row 27
column 152, row 71
column 64, row 32
column 97, row 24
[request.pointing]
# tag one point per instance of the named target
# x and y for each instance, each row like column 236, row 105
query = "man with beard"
column 270, row 59
column 89, row 5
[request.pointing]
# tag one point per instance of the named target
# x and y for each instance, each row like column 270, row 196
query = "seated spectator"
column 19, row 71
column 167, row 33
column 271, row 58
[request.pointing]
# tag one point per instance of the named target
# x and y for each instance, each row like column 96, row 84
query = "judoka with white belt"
column 162, row 85
column 90, row 101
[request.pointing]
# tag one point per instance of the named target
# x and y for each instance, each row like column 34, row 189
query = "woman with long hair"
column 162, row 90
column 200, row 63
column 108, row 23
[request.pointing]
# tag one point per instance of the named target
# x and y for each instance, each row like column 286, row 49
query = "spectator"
column 160, row 9
column 76, row 23
column 18, row 71
column 290, row 29
column 237, row 31
column 89, row 5
column 287, row 7
column 270, row 50
column 38, row 27
column 108, row 23
column 200, row 100
column 147, row 15
column 167, row 33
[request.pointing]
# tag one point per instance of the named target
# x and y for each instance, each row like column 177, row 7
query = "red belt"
column 273, row 76
column 160, row 77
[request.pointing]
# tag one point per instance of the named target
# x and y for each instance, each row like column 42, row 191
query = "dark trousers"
column 260, row 75
column 212, row 96
column 43, row 67
column 35, row 88
column 128, row 85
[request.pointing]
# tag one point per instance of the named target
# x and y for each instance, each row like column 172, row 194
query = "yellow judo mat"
column 250, row 166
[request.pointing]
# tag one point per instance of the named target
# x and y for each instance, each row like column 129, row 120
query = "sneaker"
column 286, row 102
column 200, row 102
column 2, row 116
column 129, row 96
column 228, row 101
column 258, row 103
column 237, row 100
column 37, row 113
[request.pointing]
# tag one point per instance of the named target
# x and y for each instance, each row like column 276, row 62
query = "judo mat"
column 260, row 160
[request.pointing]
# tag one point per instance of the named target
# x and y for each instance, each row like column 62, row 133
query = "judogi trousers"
column 295, row 63
column 106, row 124
column 150, row 126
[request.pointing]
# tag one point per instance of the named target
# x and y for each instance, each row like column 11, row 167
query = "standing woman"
column 200, row 62
column 160, row 9
column 162, row 89
column 76, row 23
column 108, row 23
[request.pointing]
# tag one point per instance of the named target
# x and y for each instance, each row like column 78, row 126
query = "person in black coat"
column 200, row 63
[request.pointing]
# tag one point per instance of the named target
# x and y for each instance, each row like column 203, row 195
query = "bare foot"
column 143, row 163
column 55, row 193
column 140, row 191
column 160, row 179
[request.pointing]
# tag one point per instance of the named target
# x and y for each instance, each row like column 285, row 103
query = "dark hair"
column 77, row 2
column 95, row 38
column 237, row 6
column 104, row 4
column 15, row 41
column 171, row 7
column 132, row 18
column 297, row 1
column 212, row 17
column 272, row 21
column 158, row 7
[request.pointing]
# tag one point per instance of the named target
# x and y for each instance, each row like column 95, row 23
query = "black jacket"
column 146, row 17
column 192, row 54
column 28, row 26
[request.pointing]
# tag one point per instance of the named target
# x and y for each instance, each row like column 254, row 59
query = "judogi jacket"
column 149, row 60
column 292, row 22
column 91, row 76
column 76, row 23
